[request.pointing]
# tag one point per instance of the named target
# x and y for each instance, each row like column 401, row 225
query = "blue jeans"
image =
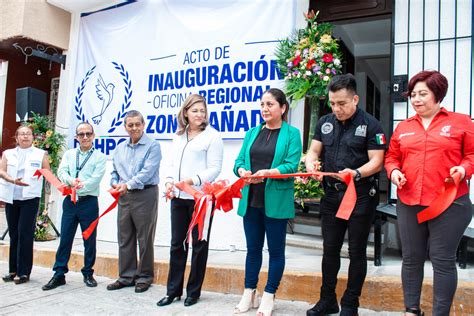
column 84, row 212
column 256, row 225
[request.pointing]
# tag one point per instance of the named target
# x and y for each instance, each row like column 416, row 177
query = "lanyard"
column 79, row 168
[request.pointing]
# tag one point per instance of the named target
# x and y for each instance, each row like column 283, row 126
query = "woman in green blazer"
column 271, row 148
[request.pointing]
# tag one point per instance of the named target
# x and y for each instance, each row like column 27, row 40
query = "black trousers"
column 438, row 237
column 181, row 215
column 21, row 220
column 334, row 230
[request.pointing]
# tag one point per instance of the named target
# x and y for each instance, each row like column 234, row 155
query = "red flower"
column 310, row 64
column 309, row 15
column 327, row 58
column 296, row 61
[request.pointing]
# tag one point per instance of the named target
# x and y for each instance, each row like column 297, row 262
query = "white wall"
column 452, row 57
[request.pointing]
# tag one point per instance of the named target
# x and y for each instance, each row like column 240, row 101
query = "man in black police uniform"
column 348, row 139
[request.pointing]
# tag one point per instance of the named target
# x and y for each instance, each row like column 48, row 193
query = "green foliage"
column 46, row 138
column 307, row 188
column 309, row 58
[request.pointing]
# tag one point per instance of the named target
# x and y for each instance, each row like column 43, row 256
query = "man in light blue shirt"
column 135, row 177
column 82, row 168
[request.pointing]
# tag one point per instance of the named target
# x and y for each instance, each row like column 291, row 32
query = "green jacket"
column 279, row 193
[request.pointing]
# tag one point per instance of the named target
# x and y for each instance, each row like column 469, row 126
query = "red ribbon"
column 51, row 178
column 88, row 232
column 348, row 200
column 222, row 194
column 219, row 193
column 443, row 201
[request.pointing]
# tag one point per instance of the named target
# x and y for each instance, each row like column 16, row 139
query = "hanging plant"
column 308, row 59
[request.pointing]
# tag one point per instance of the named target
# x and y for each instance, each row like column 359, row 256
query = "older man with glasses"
column 136, row 176
column 82, row 168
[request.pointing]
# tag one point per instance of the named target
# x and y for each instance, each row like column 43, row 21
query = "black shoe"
column 117, row 285
column 349, row 311
column 190, row 301
column 9, row 277
column 141, row 287
column 90, row 281
column 167, row 300
column 54, row 283
column 414, row 311
column 323, row 307
column 22, row 279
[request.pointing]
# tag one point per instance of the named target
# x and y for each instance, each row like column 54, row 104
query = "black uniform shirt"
column 345, row 145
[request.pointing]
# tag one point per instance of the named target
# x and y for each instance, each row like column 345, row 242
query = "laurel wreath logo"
column 78, row 99
column 118, row 119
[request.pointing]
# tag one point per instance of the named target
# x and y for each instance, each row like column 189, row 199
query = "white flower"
column 308, row 73
column 325, row 78
column 336, row 62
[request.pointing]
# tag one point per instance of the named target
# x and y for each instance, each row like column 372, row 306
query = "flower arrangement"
column 309, row 58
column 306, row 188
column 46, row 138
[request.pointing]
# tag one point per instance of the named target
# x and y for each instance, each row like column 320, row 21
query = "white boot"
column 249, row 300
column 266, row 305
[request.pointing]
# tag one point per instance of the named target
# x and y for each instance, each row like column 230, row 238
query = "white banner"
column 150, row 55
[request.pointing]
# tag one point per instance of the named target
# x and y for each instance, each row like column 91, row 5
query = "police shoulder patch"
column 327, row 128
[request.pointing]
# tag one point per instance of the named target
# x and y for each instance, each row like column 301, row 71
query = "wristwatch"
column 357, row 176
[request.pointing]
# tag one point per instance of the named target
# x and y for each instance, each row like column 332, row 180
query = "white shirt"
column 199, row 158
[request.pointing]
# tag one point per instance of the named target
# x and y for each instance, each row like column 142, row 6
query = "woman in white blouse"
column 196, row 159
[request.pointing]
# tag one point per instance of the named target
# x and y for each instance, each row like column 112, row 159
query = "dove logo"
column 104, row 96
column 105, row 93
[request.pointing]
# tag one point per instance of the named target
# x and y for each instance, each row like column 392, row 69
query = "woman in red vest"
column 425, row 150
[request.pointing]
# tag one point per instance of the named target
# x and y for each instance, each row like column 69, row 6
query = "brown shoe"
column 22, row 279
column 141, row 287
column 117, row 285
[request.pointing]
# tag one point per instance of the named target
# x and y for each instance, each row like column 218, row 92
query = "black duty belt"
column 341, row 186
column 147, row 186
column 338, row 186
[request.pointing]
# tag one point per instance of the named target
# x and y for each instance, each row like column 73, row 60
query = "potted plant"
column 46, row 138
column 308, row 191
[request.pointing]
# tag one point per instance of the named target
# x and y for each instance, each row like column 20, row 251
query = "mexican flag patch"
column 380, row 139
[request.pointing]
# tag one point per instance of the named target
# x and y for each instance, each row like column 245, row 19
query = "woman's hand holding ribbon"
column 459, row 169
column 169, row 193
column 398, row 178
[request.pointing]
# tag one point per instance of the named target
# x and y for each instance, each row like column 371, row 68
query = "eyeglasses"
column 82, row 135
column 25, row 134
